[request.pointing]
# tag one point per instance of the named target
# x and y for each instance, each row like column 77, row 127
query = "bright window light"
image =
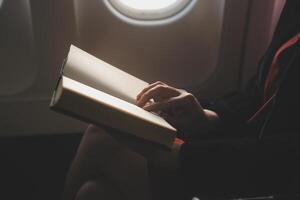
column 148, row 11
column 148, row 4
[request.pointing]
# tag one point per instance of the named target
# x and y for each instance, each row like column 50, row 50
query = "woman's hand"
column 180, row 108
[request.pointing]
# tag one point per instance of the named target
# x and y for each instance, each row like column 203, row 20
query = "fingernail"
column 145, row 107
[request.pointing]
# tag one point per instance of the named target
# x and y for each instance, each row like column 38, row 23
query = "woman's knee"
column 95, row 190
column 97, row 143
column 93, row 135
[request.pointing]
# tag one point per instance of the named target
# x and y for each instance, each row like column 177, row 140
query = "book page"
column 91, row 71
column 114, row 103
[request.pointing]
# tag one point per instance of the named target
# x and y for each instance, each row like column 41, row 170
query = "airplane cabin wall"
column 190, row 53
column 212, row 50
column 42, row 34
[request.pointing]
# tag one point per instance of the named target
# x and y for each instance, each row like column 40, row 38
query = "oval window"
column 149, row 10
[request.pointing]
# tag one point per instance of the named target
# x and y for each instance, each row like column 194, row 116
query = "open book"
column 94, row 91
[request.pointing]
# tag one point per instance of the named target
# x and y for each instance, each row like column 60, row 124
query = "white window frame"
column 150, row 16
column 1, row 2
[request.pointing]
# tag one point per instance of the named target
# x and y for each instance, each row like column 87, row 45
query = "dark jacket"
column 260, row 158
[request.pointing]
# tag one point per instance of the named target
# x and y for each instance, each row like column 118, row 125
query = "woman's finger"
column 148, row 88
column 164, row 106
column 158, row 92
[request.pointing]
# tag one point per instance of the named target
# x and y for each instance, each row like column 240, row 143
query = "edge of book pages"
column 165, row 135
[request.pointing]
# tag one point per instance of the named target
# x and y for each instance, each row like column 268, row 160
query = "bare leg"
column 101, row 155
column 99, row 189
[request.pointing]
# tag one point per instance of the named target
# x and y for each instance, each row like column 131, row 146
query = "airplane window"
column 149, row 12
